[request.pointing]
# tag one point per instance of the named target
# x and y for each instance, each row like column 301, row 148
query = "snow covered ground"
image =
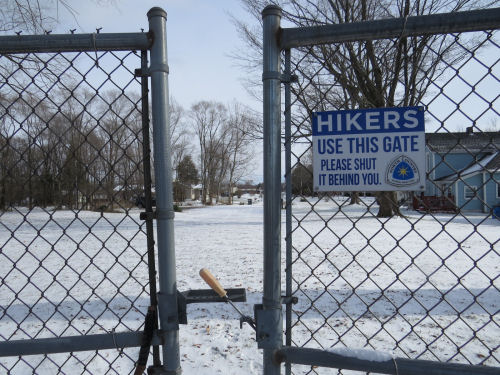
column 335, row 258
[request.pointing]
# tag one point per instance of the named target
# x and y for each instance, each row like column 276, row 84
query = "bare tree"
column 179, row 133
column 26, row 151
column 208, row 122
column 224, row 140
column 241, row 123
column 36, row 17
column 118, row 127
column 382, row 73
column 65, row 141
column 32, row 17
column 7, row 151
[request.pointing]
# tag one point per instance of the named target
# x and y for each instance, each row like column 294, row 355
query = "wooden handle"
column 212, row 282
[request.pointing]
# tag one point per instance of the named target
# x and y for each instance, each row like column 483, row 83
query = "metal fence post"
column 167, row 296
column 288, row 188
column 271, row 77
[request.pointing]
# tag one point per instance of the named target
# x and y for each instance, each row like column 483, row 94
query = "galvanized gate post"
column 271, row 302
column 167, row 296
column 288, row 206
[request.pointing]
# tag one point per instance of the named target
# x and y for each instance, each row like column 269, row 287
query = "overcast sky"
column 200, row 37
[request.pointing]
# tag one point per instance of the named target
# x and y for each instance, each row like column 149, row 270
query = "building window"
column 470, row 192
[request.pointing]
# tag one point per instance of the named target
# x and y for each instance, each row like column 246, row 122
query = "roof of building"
column 469, row 142
column 494, row 164
column 489, row 162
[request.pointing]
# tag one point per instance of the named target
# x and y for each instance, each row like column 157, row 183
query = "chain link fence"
column 424, row 282
column 73, row 249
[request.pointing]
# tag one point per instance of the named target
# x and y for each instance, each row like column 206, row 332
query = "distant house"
column 196, row 192
column 465, row 168
column 250, row 188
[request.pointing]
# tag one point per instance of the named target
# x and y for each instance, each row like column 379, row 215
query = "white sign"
column 379, row 149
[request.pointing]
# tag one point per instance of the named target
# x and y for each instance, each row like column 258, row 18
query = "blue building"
column 464, row 168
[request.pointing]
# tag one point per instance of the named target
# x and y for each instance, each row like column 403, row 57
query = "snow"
column 362, row 354
column 402, row 254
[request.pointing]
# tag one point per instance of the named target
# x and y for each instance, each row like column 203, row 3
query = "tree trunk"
column 2, row 195
column 30, row 176
column 355, row 198
column 388, row 204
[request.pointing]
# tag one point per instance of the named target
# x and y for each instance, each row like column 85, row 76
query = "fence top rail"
column 75, row 42
column 475, row 20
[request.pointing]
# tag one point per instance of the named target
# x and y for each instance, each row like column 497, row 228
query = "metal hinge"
column 289, row 78
column 141, row 72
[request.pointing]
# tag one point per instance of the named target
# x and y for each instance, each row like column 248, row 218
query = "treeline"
column 83, row 150
column 75, row 149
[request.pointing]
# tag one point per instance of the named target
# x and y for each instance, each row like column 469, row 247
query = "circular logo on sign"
column 402, row 171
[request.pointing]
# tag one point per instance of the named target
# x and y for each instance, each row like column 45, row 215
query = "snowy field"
column 335, row 258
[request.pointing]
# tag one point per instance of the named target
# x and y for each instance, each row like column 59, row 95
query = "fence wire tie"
column 120, row 350
column 404, row 29
column 95, row 49
column 395, row 365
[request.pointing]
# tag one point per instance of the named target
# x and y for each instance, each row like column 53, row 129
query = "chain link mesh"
column 423, row 284
column 73, row 254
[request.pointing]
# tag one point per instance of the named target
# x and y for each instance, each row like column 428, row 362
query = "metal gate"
column 416, row 292
column 77, row 263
